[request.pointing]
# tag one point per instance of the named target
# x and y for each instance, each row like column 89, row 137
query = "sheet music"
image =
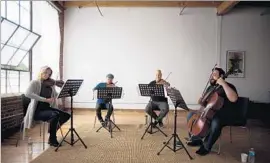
column 70, row 85
column 177, row 98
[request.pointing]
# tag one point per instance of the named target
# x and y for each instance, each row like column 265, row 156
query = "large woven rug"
column 126, row 146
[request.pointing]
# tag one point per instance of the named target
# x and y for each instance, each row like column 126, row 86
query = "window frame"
column 7, row 68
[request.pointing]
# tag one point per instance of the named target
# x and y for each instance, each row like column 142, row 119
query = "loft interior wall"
column 132, row 43
column 245, row 30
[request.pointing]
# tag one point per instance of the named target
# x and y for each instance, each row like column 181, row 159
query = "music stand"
column 178, row 101
column 70, row 89
column 152, row 90
column 109, row 93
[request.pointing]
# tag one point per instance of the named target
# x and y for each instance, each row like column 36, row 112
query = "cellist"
column 222, row 118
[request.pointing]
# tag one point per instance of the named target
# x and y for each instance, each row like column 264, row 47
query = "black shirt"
column 46, row 92
column 157, row 98
column 228, row 110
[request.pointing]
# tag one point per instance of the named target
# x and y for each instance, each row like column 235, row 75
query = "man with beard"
column 222, row 117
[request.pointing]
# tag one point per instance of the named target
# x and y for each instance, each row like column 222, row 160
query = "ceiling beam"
column 225, row 7
column 142, row 3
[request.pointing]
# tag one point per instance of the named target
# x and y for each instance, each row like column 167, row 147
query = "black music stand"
column 70, row 89
column 109, row 93
column 178, row 101
column 152, row 90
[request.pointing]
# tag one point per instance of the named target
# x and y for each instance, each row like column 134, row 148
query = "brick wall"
column 11, row 113
column 61, row 56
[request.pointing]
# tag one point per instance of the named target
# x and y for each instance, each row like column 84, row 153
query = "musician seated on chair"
column 43, row 105
column 104, row 103
column 160, row 103
column 222, row 118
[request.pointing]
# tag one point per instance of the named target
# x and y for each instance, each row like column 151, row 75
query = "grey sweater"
column 33, row 92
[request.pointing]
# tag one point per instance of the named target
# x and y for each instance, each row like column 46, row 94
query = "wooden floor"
column 12, row 154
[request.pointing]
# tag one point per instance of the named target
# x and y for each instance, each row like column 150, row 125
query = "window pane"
column 7, row 29
column 24, row 81
column 12, row 82
column 16, row 59
column 13, row 11
column 6, row 54
column 3, row 8
column 29, row 41
column 18, row 38
column 3, row 81
column 25, row 5
column 25, row 14
column 25, row 62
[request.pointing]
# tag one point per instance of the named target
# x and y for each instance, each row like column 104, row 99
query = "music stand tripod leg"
column 175, row 138
column 71, row 129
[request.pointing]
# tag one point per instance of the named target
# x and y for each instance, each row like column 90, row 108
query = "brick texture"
column 61, row 59
column 11, row 113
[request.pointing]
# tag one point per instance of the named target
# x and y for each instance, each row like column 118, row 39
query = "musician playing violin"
column 43, row 105
column 223, row 117
column 103, row 103
column 160, row 103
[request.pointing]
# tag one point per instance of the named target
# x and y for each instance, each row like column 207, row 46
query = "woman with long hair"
column 43, row 105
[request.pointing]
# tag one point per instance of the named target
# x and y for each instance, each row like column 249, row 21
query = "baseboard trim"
column 118, row 109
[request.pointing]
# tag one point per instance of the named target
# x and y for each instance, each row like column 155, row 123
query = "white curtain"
column 47, row 50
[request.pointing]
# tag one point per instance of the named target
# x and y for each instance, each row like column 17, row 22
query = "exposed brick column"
column 61, row 56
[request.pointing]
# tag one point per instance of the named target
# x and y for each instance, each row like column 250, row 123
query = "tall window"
column 16, row 41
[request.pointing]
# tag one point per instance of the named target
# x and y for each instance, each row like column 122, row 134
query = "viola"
column 164, row 82
column 51, row 82
column 111, row 84
column 211, row 102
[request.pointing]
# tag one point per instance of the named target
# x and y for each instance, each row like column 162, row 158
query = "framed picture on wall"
column 236, row 59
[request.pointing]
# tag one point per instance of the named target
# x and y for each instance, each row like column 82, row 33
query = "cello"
column 211, row 102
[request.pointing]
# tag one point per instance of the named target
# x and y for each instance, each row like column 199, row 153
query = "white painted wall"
column 246, row 30
column 132, row 43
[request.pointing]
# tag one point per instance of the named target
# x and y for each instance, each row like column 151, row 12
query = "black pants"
column 154, row 105
column 103, row 106
column 53, row 116
column 219, row 121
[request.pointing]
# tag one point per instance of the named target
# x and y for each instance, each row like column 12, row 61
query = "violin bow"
column 168, row 76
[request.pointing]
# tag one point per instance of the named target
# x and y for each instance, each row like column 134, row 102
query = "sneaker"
column 195, row 143
column 160, row 124
column 155, row 124
column 104, row 124
column 179, row 144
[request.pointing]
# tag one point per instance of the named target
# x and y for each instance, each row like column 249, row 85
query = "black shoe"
column 53, row 142
column 195, row 143
column 202, row 151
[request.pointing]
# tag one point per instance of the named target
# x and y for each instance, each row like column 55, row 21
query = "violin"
column 111, row 84
column 51, row 82
column 164, row 82
column 211, row 102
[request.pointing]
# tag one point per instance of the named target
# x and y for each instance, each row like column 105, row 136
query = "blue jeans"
column 52, row 115
column 103, row 106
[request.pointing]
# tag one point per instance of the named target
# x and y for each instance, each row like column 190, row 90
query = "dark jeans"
column 153, row 105
column 217, row 123
column 53, row 116
column 104, row 106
